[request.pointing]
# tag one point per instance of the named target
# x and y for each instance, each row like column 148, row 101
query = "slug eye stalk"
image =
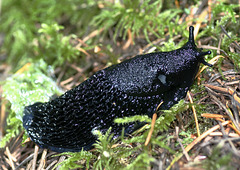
column 191, row 35
column 201, row 56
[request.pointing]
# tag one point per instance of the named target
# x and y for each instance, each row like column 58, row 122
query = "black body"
column 133, row 87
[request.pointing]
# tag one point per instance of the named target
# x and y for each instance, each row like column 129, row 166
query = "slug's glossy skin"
column 133, row 87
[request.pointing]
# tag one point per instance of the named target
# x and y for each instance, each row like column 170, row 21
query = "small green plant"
column 228, row 21
column 21, row 20
column 14, row 125
column 145, row 16
column 186, row 137
column 108, row 156
column 53, row 46
column 74, row 159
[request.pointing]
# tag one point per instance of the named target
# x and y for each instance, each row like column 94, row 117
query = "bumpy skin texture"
column 133, row 87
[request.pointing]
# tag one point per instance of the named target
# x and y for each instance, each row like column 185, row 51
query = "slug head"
column 185, row 61
column 191, row 44
column 177, row 70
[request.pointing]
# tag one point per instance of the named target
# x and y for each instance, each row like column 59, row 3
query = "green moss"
column 72, row 162
column 21, row 20
column 30, row 86
column 138, row 16
column 25, row 88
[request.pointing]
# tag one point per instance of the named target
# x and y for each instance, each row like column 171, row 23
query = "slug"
column 133, row 87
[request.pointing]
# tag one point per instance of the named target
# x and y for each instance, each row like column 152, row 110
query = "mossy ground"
column 50, row 45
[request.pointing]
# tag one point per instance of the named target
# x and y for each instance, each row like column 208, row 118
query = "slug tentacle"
column 201, row 55
column 191, row 35
column 133, row 87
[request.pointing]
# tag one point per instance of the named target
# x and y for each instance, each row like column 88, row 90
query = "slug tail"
column 27, row 118
column 28, row 115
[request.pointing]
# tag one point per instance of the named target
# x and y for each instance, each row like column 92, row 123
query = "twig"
column 226, row 110
column 42, row 162
column 194, row 113
column 209, row 10
column 24, row 68
column 190, row 146
column 221, row 89
column 36, row 149
column 218, row 75
column 3, row 115
column 10, row 158
column 93, row 34
column 234, row 135
column 233, row 127
column 181, row 145
column 129, row 41
column 200, row 19
column 151, row 130
column 53, row 163
column 62, row 158
column 209, row 115
column 26, row 160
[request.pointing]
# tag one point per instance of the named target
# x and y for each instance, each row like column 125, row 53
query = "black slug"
column 134, row 87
